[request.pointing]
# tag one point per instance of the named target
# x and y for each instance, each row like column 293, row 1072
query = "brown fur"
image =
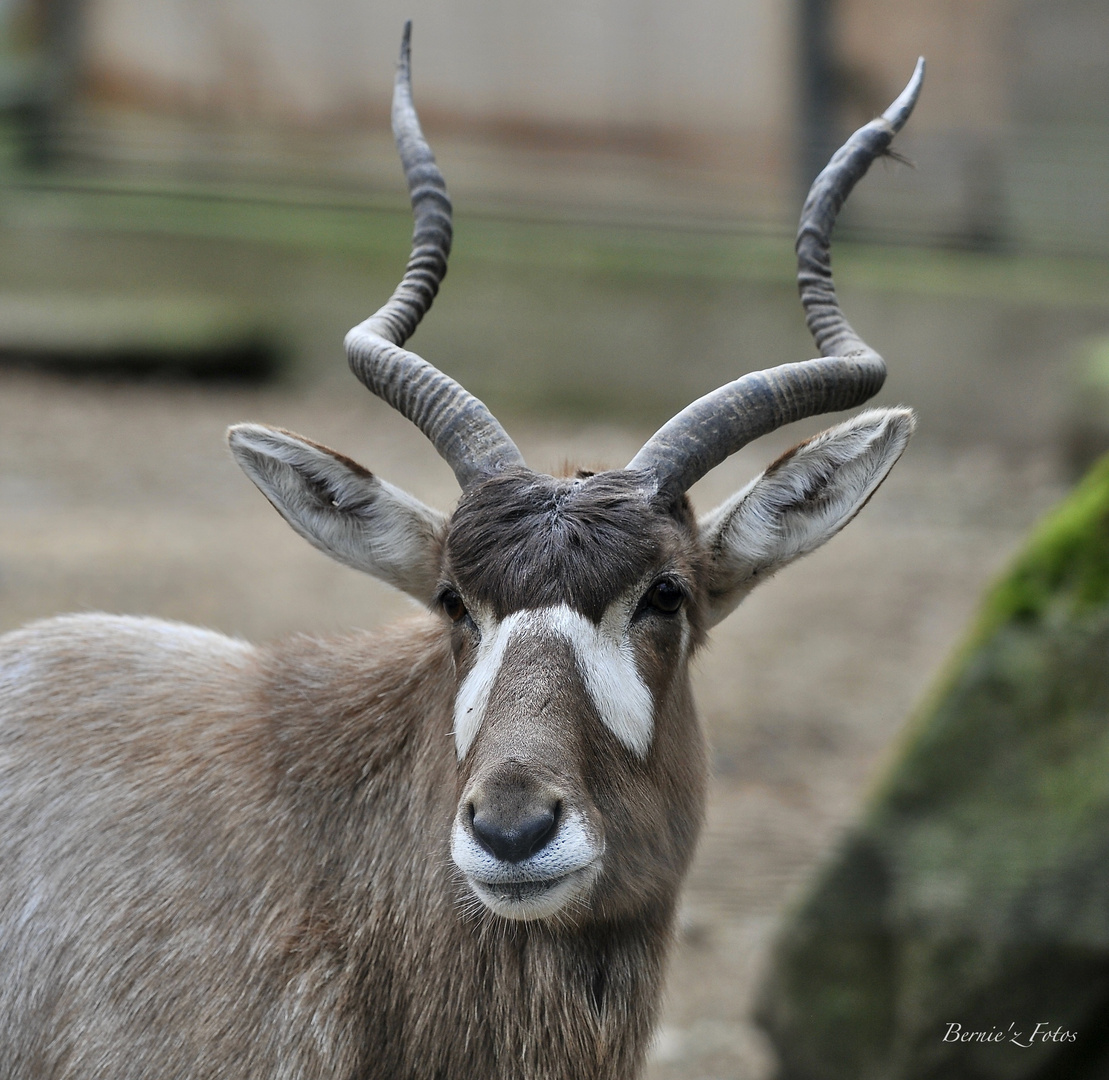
column 222, row 860
column 525, row 539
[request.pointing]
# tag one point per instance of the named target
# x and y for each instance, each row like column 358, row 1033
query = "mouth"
column 519, row 892
column 528, row 899
column 542, row 885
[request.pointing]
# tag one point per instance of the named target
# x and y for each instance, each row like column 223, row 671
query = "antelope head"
column 573, row 604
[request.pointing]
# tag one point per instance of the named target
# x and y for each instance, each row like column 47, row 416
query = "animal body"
column 449, row 849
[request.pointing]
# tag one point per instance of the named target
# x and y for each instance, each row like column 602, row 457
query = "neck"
column 436, row 985
column 530, row 1000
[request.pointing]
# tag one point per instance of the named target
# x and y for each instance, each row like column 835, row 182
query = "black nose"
column 514, row 840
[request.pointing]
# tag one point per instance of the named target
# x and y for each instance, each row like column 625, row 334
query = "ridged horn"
column 460, row 427
column 848, row 371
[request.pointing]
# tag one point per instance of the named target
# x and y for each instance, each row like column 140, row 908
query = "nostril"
column 514, row 841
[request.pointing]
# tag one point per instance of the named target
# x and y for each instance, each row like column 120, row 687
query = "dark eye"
column 452, row 604
column 665, row 596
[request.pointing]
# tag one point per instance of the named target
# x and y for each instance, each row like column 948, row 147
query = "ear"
column 801, row 501
column 345, row 511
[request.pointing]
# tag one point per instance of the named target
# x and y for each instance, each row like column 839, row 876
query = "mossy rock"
column 1086, row 424
column 975, row 890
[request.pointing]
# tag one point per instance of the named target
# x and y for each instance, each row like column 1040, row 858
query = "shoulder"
column 76, row 649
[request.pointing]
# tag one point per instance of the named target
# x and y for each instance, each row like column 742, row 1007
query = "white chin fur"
column 534, row 899
column 537, row 887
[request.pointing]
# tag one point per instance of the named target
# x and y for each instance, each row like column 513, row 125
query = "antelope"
column 452, row 848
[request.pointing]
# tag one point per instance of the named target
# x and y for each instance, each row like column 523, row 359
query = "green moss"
column 987, row 843
column 1064, row 571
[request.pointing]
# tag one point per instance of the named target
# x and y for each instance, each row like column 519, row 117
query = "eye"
column 452, row 604
column 666, row 596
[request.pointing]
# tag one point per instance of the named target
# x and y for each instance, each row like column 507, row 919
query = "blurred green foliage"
column 379, row 228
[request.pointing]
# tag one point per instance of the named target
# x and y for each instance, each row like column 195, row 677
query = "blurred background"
column 199, row 198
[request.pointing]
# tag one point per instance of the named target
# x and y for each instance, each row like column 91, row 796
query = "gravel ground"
column 123, row 498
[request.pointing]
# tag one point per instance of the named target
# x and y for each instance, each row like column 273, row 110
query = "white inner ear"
column 801, row 501
column 345, row 511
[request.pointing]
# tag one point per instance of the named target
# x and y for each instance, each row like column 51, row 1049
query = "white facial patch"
column 605, row 659
column 473, row 694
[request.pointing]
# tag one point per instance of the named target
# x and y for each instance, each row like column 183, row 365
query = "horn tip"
column 405, row 45
column 902, row 108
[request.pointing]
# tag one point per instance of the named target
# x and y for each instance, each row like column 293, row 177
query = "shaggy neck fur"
column 436, row 986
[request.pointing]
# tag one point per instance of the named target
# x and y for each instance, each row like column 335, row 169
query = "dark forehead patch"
column 524, row 539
